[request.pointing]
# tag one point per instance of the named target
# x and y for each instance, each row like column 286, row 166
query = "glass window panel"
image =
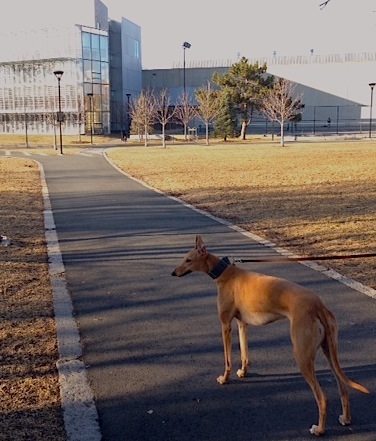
column 88, row 88
column 86, row 46
column 104, row 47
column 97, row 103
column 105, row 98
column 95, row 47
column 87, row 102
column 96, row 89
column 96, row 71
column 87, row 70
column 137, row 52
column 105, row 73
column 97, row 126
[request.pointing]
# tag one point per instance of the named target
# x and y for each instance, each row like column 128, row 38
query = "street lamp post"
column 128, row 119
column 90, row 95
column 58, row 74
column 153, row 81
column 371, row 85
column 186, row 45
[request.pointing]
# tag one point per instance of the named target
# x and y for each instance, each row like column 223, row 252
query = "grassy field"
column 307, row 197
column 310, row 198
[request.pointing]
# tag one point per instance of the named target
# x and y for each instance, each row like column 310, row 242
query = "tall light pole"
column 186, row 45
column 371, row 85
column 90, row 95
column 58, row 74
column 24, row 106
column 153, row 81
column 25, row 115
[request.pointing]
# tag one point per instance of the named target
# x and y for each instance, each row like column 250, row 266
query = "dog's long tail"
column 331, row 342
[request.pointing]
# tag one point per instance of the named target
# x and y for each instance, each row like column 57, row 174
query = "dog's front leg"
column 241, row 373
column 226, row 337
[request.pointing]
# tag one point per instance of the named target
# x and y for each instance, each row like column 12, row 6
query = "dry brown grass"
column 29, row 391
column 48, row 140
column 310, row 198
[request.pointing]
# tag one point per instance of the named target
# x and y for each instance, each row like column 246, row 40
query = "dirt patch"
column 29, row 391
column 310, row 198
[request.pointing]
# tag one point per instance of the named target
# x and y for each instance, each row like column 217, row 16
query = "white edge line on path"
column 77, row 399
column 357, row 286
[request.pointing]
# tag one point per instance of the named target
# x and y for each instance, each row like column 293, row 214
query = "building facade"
column 125, row 70
column 335, row 88
column 29, row 90
column 102, row 73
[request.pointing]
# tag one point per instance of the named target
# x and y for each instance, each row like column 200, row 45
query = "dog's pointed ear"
column 200, row 246
column 199, row 242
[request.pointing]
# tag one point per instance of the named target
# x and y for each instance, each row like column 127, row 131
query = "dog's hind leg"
column 345, row 418
column 308, row 372
column 243, row 342
column 306, row 336
column 329, row 347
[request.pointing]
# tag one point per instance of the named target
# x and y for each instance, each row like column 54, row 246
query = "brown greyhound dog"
column 257, row 299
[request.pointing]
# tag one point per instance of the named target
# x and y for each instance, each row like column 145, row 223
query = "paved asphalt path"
column 152, row 342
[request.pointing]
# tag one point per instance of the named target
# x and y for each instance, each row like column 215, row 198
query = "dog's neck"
column 216, row 266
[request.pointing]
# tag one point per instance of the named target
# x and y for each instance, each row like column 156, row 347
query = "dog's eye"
column 188, row 260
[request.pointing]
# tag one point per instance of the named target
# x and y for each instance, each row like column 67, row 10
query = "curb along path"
column 79, row 411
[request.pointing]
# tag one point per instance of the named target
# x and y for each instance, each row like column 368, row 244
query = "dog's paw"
column 222, row 379
column 314, row 430
column 241, row 373
column 342, row 420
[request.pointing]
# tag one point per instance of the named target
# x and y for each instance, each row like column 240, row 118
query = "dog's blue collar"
column 218, row 270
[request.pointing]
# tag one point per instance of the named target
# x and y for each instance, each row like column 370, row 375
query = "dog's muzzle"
column 181, row 275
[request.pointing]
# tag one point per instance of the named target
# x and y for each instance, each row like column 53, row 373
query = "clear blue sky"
column 249, row 28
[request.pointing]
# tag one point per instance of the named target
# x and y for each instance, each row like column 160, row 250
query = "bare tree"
column 80, row 115
column 164, row 111
column 185, row 111
column 208, row 106
column 136, row 118
column 51, row 116
column 142, row 112
column 281, row 104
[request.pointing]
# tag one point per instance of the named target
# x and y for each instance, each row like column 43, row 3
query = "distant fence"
column 286, row 60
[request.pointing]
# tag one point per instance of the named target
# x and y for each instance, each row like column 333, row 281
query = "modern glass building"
column 96, row 80
column 29, row 95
